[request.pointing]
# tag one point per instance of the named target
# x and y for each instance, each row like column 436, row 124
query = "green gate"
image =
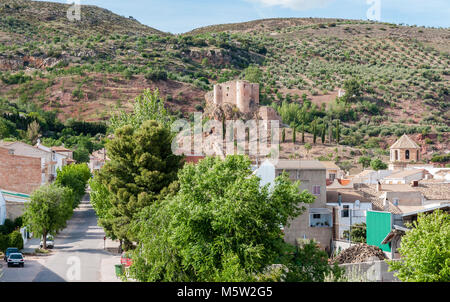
column 379, row 225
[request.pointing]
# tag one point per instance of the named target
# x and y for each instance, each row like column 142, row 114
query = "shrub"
column 4, row 242
column 16, row 240
column 156, row 75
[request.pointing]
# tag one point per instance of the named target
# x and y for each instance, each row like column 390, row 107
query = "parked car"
column 16, row 259
column 125, row 259
column 9, row 251
column 50, row 243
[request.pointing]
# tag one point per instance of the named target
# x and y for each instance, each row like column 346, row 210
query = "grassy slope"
column 85, row 69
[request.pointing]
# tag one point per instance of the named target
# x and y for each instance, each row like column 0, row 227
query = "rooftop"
column 405, row 142
column 330, row 165
column 299, row 165
column 348, row 195
column 405, row 173
column 61, row 149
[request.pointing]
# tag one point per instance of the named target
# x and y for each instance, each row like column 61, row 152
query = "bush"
column 4, row 242
column 156, row 75
column 12, row 240
column 16, row 240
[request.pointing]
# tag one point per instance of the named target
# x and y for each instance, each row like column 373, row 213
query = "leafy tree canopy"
column 220, row 226
column 147, row 106
column 49, row 209
column 425, row 250
column 142, row 164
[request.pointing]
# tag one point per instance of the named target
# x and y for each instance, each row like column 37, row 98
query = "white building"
column 351, row 206
column 404, row 177
column 2, row 209
column 371, row 177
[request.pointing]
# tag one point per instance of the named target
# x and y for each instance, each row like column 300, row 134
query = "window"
column 316, row 190
column 417, row 157
column 332, row 177
column 345, row 212
column 396, row 154
column 407, row 154
column 316, row 216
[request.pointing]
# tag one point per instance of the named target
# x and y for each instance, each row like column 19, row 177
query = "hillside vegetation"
column 87, row 69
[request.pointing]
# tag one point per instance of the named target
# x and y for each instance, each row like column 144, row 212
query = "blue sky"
column 178, row 16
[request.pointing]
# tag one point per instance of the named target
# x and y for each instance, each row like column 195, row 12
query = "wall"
column 358, row 216
column 14, row 209
column 299, row 227
column 402, row 155
column 373, row 271
column 2, row 209
column 406, row 198
column 19, row 173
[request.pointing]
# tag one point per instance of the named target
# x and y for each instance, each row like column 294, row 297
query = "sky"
column 179, row 16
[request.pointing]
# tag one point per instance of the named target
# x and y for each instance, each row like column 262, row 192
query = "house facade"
column 350, row 208
column 19, row 173
column 97, row 160
column 316, row 222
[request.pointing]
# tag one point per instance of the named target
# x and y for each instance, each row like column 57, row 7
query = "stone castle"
column 244, row 95
column 237, row 99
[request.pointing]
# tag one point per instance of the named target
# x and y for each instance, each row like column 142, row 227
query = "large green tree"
column 49, row 209
column 220, row 225
column 147, row 106
column 142, row 164
column 76, row 178
column 425, row 250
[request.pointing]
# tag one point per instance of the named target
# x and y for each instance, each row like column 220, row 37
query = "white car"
column 16, row 259
column 50, row 243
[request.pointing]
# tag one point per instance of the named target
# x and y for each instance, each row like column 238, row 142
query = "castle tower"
column 247, row 96
column 403, row 151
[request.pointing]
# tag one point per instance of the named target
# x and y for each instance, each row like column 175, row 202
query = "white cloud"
column 295, row 4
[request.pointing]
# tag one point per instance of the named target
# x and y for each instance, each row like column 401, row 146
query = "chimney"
column 386, row 204
column 379, row 186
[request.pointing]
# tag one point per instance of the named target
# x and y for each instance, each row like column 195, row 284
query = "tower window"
column 407, row 154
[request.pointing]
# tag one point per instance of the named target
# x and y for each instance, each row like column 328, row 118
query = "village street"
column 78, row 254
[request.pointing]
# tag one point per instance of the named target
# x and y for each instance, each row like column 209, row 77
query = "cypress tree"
column 303, row 133
column 324, row 129
column 338, row 134
column 314, row 131
column 294, row 135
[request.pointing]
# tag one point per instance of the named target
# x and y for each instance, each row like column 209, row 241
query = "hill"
column 89, row 68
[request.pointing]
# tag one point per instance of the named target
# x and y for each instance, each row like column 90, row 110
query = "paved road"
column 78, row 254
